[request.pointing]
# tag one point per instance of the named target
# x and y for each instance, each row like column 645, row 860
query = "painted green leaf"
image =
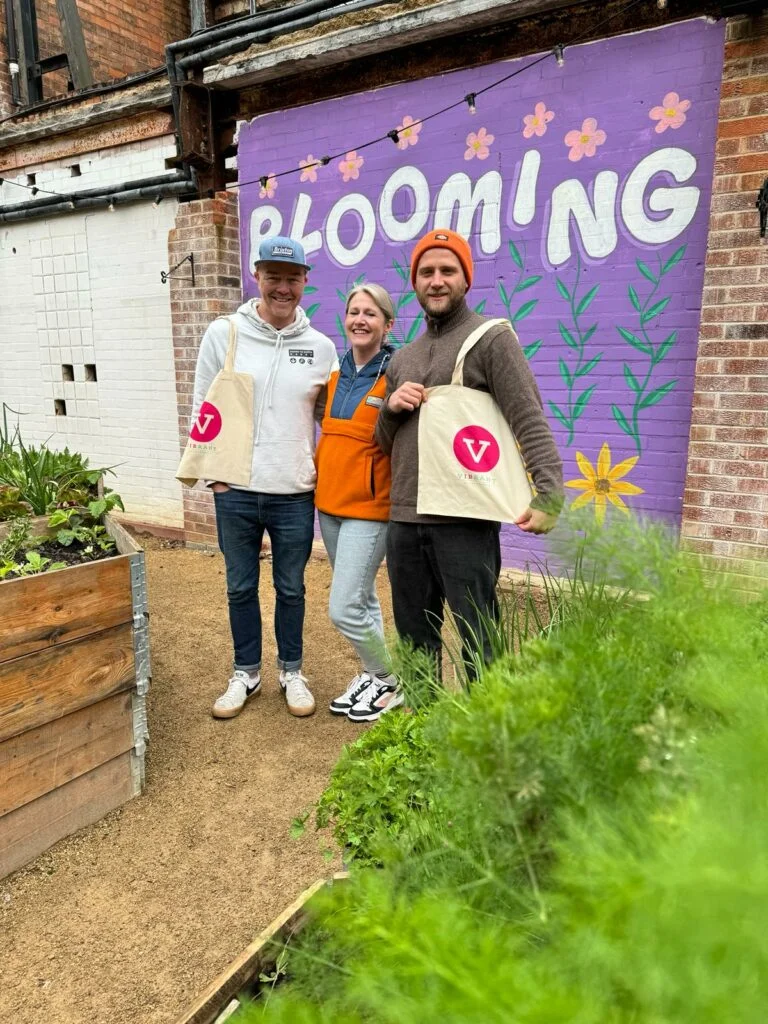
column 634, row 341
column 480, row 306
column 529, row 282
column 358, row 280
column 559, row 415
column 311, row 310
column 565, row 373
column 413, row 330
column 588, row 367
column 655, row 310
column 633, row 298
column 401, row 270
column 563, row 290
column 588, row 334
column 664, row 347
column 656, row 396
column 405, row 298
column 524, row 311
column 674, row 259
column 503, row 293
column 621, row 419
column 586, row 302
column 340, row 329
column 581, row 401
column 646, row 271
column 567, row 337
column 341, row 295
column 310, row 289
column 631, row 380
column 529, row 351
column 514, row 252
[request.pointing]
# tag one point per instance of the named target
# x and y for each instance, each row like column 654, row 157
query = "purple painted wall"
column 585, row 192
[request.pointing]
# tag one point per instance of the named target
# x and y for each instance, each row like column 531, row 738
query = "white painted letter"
column 404, row 230
column 680, row 203
column 458, row 191
column 524, row 209
column 355, row 203
column 597, row 227
column 302, row 209
column 265, row 221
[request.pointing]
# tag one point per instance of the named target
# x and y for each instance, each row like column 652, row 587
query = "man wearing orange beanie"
column 436, row 559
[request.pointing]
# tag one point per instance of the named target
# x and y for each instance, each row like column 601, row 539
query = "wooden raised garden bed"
column 74, row 671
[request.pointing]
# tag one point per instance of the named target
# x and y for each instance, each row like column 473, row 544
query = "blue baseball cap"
column 279, row 249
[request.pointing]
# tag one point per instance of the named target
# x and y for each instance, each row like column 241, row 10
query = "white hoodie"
column 290, row 370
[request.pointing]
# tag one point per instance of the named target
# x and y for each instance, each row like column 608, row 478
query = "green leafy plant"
column 507, row 292
column 81, row 525
column 34, row 563
column 405, row 297
column 576, row 339
column 647, row 311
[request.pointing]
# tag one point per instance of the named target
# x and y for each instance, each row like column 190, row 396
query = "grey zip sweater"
column 496, row 364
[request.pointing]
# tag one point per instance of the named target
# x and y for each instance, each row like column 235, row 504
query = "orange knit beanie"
column 443, row 238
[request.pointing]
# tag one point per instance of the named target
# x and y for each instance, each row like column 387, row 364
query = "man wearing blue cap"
column 290, row 363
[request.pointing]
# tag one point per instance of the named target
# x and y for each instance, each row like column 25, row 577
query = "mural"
column 584, row 190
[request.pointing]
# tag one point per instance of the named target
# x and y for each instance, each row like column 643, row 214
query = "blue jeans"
column 241, row 519
column 356, row 550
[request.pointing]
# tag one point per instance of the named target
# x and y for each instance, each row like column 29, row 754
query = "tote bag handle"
column 229, row 361
column 469, row 344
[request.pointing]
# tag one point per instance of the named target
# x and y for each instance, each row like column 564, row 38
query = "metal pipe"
column 30, row 212
column 13, row 53
column 212, row 53
column 46, row 202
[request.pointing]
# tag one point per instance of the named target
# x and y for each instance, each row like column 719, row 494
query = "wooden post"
column 74, row 44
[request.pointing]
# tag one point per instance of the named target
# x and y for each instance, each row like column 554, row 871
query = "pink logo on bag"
column 476, row 449
column 207, row 426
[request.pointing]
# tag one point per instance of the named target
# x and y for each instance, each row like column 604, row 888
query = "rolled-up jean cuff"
column 248, row 668
column 288, row 666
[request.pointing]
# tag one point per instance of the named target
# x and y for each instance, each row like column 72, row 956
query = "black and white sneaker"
column 239, row 688
column 350, row 697
column 378, row 698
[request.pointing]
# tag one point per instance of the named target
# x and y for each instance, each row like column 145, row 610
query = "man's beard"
column 443, row 314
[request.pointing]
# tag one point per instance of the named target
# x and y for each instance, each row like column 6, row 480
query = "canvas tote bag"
column 220, row 443
column 469, row 462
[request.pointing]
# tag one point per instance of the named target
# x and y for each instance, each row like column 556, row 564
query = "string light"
column 111, row 205
column 559, row 52
column 469, row 99
column 71, row 204
column 158, row 200
column 263, row 181
column 394, row 135
column 661, row 4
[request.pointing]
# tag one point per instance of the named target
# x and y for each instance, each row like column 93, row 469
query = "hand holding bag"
column 220, row 444
column 470, row 465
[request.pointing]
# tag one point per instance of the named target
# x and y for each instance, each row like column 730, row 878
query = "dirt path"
column 126, row 921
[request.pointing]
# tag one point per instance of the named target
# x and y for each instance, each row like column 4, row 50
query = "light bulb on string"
column 661, row 4
column 111, row 205
column 559, row 52
column 394, row 135
column 469, row 99
column 71, row 204
column 158, row 200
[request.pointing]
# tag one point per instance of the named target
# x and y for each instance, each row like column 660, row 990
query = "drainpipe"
column 13, row 53
column 101, row 199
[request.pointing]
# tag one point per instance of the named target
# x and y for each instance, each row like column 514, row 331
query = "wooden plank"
column 126, row 545
column 53, row 608
column 50, row 756
column 74, row 43
column 47, row 685
column 257, row 956
column 28, row 831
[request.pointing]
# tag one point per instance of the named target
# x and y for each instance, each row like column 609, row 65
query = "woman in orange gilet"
column 352, row 497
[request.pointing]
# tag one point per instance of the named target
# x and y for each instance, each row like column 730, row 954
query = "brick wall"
column 209, row 229
column 121, row 39
column 725, row 513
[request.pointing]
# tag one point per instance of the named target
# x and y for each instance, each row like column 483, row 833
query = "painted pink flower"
column 267, row 190
column 671, row 113
column 585, row 142
column 536, row 123
column 478, row 144
column 350, row 166
column 407, row 133
column 309, row 168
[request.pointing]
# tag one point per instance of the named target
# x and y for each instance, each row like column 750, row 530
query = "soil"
column 75, row 554
column 127, row 921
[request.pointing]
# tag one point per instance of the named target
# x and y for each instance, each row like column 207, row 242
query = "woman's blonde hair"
column 379, row 295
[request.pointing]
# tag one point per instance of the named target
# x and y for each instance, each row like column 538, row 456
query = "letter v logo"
column 476, row 449
column 207, row 426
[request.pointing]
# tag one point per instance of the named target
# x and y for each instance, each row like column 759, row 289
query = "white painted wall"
column 85, row 288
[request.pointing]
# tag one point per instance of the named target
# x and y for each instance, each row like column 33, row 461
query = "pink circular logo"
column 476, row 449
column 208, row 423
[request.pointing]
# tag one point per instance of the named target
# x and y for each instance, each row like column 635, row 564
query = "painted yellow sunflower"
column 603, row 484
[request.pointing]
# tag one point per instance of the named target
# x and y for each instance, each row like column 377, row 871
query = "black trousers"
column 457, row 563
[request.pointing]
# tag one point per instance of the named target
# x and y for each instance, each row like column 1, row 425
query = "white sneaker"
column 375, row 701
column 350, row 697
column 297, row 696
column 240, row 687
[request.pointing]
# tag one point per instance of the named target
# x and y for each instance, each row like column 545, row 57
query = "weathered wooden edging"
column 257, row 957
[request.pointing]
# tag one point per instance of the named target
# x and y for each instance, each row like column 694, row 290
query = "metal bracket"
column 140, row 622
column 165, row 274
column 762, row 205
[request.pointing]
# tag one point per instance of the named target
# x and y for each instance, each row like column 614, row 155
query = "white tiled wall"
column 85, row 288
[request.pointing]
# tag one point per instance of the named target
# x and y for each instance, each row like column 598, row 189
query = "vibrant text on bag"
column 476, row 449
column 207, row 426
